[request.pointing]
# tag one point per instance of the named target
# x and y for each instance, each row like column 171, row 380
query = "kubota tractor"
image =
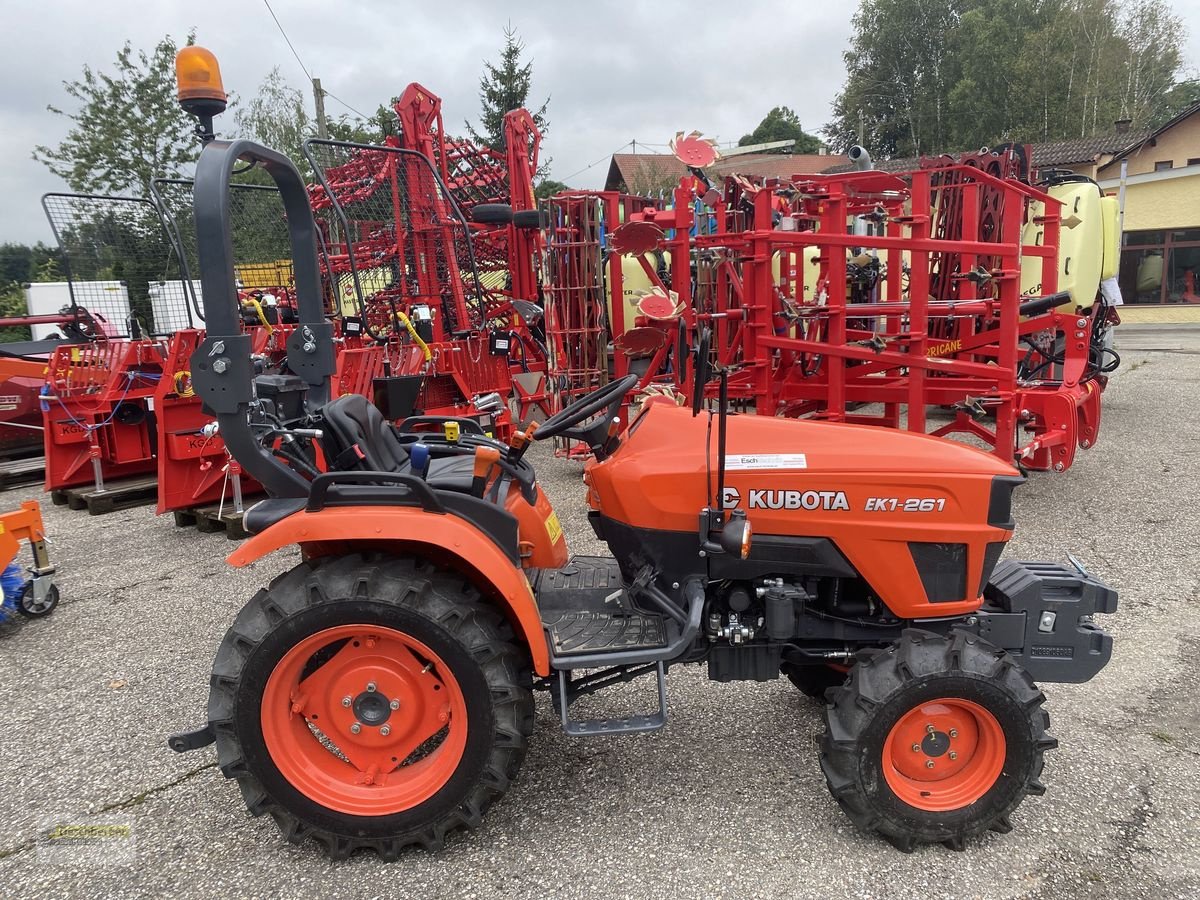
column 380, row 693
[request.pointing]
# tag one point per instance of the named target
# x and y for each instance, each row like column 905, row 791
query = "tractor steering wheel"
column 607, row 399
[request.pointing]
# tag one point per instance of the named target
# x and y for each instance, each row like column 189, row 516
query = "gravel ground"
column 728, row 800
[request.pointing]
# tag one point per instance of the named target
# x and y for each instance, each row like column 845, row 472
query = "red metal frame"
column 194, row 467
column 918, row 314
column 85, row 437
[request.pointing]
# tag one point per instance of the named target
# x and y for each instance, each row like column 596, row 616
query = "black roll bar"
column 222, row 370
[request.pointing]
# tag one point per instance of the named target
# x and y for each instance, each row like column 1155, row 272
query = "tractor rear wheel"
column 370, row 703
column 935, row 739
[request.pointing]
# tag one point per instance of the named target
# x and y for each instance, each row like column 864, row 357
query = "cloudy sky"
column 615, row 71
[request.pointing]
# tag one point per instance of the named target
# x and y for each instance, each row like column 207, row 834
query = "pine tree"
column 503, row 88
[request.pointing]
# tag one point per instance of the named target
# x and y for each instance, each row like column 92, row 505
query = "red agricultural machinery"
column 446, row 304
column 434, row 313
column 865, row 297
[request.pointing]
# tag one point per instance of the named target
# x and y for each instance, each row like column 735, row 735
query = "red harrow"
column 444, row 306
column 865, row 297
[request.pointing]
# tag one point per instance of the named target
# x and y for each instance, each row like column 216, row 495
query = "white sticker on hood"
column 766, row 461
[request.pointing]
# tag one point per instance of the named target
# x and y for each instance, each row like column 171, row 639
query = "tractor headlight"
column 736, row 535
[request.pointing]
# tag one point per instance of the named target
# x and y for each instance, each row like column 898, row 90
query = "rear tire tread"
column 440, row 596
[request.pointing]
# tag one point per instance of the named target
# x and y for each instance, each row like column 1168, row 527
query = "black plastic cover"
column 943, row 570
column 1000, row 503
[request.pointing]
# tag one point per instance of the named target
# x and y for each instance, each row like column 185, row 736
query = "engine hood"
column 872, row 491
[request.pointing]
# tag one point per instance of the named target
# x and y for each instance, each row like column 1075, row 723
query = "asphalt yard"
column 727, row 800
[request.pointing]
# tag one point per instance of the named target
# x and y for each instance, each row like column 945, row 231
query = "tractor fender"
column 446, row 538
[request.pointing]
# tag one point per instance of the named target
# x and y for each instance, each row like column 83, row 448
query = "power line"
column 334, row 96
column 291, row 47
column 597, row 162
column 289, row 42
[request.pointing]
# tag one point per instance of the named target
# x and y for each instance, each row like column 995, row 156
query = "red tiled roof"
column 643, row 171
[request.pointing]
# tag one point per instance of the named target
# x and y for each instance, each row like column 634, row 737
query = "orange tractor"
column 380, row 693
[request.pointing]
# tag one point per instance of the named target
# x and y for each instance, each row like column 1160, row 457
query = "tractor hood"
column 872, row 491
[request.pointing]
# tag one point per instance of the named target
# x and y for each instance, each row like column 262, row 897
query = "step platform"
column 586, row 610
column 589, row 620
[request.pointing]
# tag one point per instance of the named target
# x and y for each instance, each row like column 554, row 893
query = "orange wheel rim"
column 944, row 754
column 388, row 704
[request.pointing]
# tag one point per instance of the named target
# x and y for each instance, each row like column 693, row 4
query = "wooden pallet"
column 124, row 494
column 210, row 519
column 18, row 472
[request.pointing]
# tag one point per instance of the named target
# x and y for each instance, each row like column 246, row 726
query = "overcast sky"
column 615, row 71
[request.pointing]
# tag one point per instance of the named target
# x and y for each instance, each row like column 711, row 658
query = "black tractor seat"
column 359, row 439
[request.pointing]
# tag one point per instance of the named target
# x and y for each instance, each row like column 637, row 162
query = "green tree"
column 782, row 124
column 12, row 303
column 20, row 263
column 276, row 117
column 548, row 187
column 503, row 88
column 374, row 130
column 929, row 76
column 1182, row 96
column 127, row 128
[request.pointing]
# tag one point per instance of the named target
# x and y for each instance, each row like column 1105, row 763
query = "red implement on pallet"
column 97, row 412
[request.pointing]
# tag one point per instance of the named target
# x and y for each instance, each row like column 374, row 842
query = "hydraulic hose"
column 407, row 323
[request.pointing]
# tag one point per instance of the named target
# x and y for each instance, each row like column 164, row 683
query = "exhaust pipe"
column 860, row 157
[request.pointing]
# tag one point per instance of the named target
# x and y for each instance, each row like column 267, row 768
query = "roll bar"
column 222, row 370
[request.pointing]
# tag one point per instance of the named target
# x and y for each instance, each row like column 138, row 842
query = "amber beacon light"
column 198, row 80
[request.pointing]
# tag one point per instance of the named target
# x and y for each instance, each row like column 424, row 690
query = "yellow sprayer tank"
column 1081, row 243
column 634, row 282
column 1110, row 212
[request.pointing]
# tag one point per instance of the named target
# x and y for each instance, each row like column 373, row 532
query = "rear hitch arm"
column 191, row 740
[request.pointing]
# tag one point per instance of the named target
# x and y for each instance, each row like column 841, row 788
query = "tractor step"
column 211, row 519
column 585, row 610
column 124, row 494
column 576, row 632
column 568, row 691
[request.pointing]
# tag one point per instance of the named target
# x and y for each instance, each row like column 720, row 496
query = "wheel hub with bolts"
column 377, row 698
column 954, row 753
column 371, row 707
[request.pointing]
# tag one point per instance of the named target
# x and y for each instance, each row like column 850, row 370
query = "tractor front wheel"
column 370, row 703
column 935, row 739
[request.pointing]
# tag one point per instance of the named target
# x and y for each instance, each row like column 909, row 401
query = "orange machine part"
column 661, row 475
column 441, row 537
column 372, row 779
column 944, row 754
column 540, row 533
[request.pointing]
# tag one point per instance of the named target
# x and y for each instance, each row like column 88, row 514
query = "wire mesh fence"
column 124, row 273
column 258, row 230
column 396, row 241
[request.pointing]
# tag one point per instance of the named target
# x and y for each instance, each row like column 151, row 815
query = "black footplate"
column 584, row 631
column 586, row 582
column 1041, row 613
column 585, row 610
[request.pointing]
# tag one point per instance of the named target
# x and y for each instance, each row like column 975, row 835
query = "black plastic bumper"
column 1041, row 613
